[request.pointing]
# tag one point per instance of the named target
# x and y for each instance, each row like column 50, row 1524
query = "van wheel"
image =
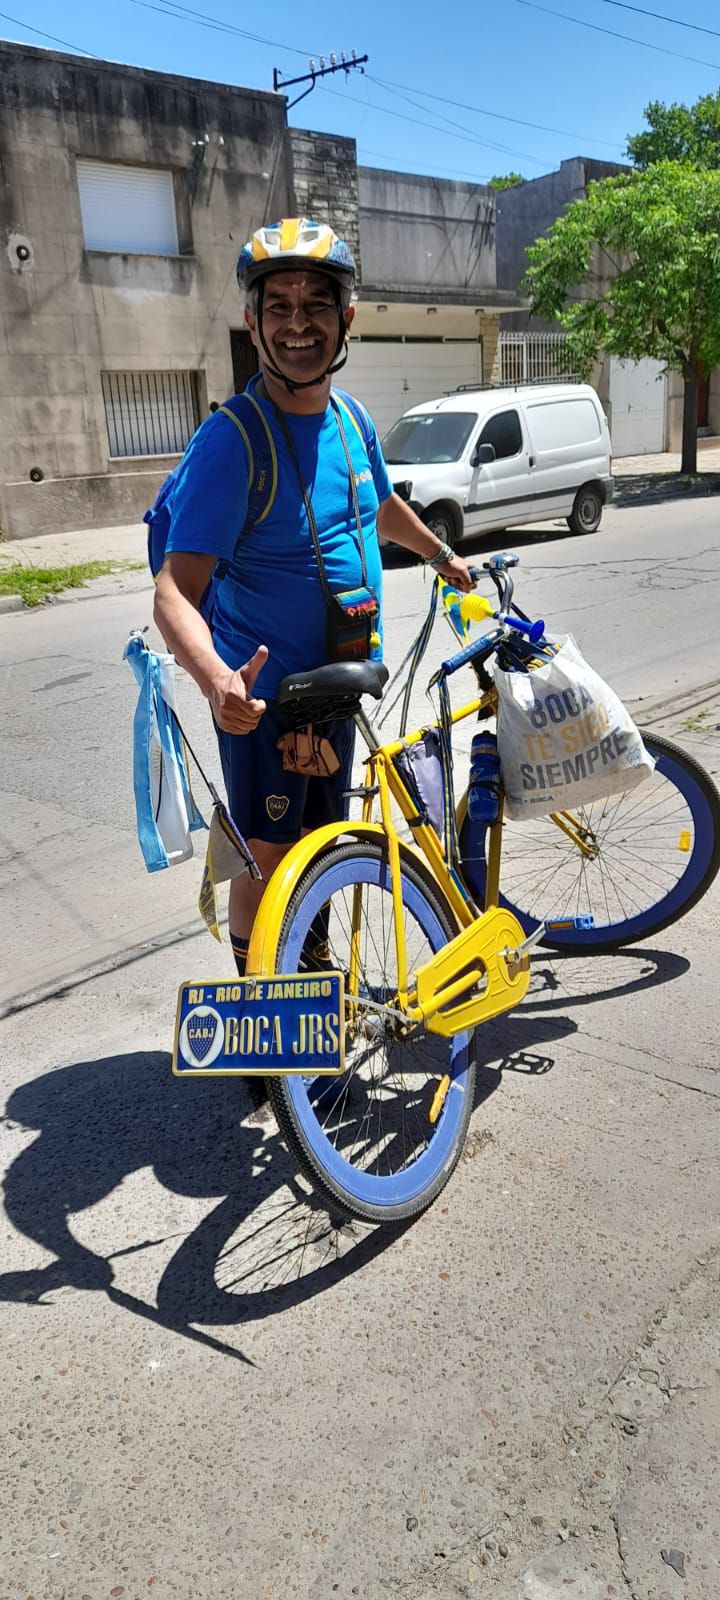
column 587, row 510
column 441, row 522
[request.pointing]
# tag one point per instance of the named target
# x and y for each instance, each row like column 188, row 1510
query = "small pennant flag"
column 227, row 857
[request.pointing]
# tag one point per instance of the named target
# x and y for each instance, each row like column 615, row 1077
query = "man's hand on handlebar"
column 458, row 573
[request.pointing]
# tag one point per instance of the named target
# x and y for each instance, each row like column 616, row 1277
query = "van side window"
column 504, row 433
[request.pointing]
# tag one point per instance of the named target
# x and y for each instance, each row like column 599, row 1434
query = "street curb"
column 648, row 712
column 70, row 596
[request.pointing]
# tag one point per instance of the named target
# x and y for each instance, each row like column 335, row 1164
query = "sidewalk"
column 708, row 460
column 68, row 549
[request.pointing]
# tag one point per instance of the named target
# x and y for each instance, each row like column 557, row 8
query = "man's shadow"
column 101, row 1120
column 267, row 1244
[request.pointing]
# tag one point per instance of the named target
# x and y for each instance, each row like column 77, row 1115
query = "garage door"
column 637, row 400
column 390, row 376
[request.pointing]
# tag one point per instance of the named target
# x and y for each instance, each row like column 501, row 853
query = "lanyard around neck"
column 312, row 524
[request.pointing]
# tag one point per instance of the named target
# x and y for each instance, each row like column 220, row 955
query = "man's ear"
column 249, row 319
column 349, row 318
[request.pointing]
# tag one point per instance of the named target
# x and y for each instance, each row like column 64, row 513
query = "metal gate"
column 532, row 357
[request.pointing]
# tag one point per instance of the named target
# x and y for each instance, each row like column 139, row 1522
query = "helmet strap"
column 341, row 345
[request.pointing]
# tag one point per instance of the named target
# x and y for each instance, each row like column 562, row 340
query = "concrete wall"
column 526, row 212
column 426, row 239
column 68, row 313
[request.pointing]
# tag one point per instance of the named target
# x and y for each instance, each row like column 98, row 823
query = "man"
column 270, row 614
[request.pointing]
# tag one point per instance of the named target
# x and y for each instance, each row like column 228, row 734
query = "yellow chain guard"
column 478, row 949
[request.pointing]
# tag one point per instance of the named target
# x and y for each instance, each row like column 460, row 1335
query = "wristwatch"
column 444, row 554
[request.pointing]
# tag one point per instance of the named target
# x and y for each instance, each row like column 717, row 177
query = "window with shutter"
column 130, row 210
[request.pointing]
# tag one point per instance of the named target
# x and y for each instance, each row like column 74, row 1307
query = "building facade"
column 125, row 198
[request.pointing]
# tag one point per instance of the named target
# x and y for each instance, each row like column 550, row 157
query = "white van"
column 481, row 460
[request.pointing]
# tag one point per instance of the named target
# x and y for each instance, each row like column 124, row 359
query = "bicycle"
column 430, row 949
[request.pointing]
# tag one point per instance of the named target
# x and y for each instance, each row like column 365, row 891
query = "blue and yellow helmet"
column 295, row 242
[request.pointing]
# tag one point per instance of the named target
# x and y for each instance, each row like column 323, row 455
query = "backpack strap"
column 254, row 427
column 357, row 415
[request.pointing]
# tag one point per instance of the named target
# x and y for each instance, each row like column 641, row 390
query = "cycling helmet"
column 283, row 247
column 294, row 242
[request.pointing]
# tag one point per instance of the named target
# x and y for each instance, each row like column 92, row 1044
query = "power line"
column 182, row 13
column 659, row 16
column 467, row 138
column 488, row 144
column 563, row 15
column 50, row 36
column 463, row 172
column 480, row 111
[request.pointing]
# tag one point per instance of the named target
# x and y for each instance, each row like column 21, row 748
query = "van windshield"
column 428, row 437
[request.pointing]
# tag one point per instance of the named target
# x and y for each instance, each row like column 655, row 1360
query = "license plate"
column 289, row 1024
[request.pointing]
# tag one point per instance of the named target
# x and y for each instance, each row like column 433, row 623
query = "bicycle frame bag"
column 564, row 737
column 420, row 767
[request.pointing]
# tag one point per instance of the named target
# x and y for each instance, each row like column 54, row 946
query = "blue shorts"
column 272, row 805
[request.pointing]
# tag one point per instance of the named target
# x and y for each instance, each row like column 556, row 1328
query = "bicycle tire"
column 678, row 795
column 314, row 1116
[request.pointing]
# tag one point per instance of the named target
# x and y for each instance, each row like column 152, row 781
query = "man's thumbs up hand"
column 235, row 708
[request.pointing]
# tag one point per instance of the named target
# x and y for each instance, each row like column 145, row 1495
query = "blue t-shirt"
column 272, row 592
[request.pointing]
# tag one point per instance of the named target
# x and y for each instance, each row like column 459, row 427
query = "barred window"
column 150, row 413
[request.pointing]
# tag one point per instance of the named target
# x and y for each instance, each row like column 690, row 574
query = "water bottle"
column 484, row 783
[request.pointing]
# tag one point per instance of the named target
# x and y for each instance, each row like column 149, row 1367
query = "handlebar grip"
column 534, row 630
column 482, row 646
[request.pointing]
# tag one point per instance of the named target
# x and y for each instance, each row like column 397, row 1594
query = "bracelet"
column 444, row 554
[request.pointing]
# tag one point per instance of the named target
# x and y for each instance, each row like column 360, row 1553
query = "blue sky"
column 517, row 60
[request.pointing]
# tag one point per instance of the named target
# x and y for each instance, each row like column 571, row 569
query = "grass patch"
column 699, row 722
column 36, row 583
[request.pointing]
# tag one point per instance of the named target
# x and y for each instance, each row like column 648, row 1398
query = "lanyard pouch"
column 352, row 620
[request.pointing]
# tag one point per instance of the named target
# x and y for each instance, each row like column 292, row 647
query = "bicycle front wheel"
column 653, row 853
column 380, row 1142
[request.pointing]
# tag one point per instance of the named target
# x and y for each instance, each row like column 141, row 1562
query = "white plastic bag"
column 564, row 737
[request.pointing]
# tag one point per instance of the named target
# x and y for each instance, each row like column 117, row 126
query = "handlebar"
column 475, row 606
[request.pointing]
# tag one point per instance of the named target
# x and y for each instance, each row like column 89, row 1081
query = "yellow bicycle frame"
column 480, row 972
column 475, row 975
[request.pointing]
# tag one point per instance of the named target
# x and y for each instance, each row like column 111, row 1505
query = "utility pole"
column 346, row 64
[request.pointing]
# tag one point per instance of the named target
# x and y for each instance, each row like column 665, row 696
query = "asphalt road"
column 208, row 1388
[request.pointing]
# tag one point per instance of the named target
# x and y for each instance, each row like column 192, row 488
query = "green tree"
column 679, row 133
column 633, row 270
column 509, row 181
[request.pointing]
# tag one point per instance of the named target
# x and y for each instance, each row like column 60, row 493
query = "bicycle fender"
column 271, row 912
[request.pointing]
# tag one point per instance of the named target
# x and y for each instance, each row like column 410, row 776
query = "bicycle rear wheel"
column 366, row 1140
column 655, row 852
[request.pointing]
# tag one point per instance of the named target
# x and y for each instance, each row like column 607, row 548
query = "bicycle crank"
column 482, row 972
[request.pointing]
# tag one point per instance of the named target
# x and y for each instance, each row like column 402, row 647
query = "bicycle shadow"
column 518, row 1041
column 267, row 1245
column 98, row 1122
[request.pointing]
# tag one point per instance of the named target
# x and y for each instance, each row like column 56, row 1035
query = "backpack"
column 251, row 423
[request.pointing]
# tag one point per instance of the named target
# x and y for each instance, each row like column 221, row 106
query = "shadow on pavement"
column 101, row 1120
column 651, row 489
column 267, row 1244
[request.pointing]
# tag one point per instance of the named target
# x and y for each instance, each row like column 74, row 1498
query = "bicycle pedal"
column 561, row 924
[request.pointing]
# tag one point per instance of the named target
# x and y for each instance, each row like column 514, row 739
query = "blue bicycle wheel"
column 366, row 1140
column 653, row 853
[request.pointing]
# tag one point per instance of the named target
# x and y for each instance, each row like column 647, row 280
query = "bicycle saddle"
column 331, row 691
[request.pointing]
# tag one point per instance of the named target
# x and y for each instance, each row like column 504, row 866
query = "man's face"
column 300, row 324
